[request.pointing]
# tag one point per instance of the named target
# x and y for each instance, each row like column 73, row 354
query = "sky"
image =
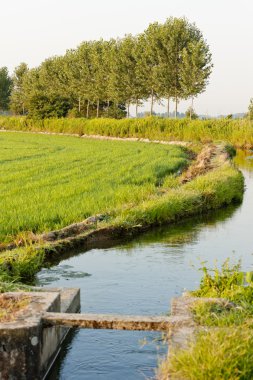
column 32, row 30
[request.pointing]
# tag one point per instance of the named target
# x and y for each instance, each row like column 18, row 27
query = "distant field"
column 48, row 182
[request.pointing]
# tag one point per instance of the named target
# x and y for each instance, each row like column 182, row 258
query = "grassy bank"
column 237, row 132
column 210, row 191
column 223, row 349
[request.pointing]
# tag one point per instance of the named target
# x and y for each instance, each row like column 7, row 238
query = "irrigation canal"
column 140, row 278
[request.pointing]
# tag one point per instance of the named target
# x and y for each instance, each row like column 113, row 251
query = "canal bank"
column 141, row 277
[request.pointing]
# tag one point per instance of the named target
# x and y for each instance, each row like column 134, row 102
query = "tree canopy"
column 103, row 78
column 5, row 89
column 250, row 113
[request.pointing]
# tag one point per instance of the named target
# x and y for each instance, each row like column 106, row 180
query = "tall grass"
column 224, row 350
column 210, row 191
column 237, row 132
column 48, row 182
column 219, row 354
column 20, row 265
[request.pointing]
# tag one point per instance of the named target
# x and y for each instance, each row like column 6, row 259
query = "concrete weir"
column 27, row 347
column 113, row 322
column 31, row 339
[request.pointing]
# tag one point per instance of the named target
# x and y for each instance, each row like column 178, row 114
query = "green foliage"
column 18, row 97
column 230, row 150
column 20, row 264
column 170, row 60
column 43, row 106
column 5, row 89
column 228, row 282
column 239, row 133
column 251, row 109
column 191, row 114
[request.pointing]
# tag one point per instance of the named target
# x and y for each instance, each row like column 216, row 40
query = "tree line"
column 169, row 61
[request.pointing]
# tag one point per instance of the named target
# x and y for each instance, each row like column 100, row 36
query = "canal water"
column 141, row 277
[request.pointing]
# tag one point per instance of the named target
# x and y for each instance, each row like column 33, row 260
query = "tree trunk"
column 116, row 109
column 136, row 108
column 168, row 107
column 98, row 108
column 191, row 109
column 79, row 104
column 108, row 106
column 87, row 109
column 152, row 102
column 176, row 108
column 128, row 110
column 23, row 108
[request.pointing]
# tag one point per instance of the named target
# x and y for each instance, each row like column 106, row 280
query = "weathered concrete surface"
column 20, row 339
column 27, row 349
column 53, row 337
column 115, row 322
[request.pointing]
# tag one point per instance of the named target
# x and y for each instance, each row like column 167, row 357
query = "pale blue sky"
column 32, row 30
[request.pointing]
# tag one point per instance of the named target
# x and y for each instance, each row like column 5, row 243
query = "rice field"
column 48, row 182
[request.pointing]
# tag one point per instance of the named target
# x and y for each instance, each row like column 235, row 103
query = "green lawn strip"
column 237, row 132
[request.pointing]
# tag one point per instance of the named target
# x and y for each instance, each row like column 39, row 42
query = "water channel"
column 141, row 277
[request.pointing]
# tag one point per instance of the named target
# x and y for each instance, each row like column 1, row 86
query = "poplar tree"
column 195, row 69
column 150, row 62
column 166, row 61
column 5, row 88
column 79, row 73
column 250, row 109
column 17, row 100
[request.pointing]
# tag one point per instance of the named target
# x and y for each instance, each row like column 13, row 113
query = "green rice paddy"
column 48, row 182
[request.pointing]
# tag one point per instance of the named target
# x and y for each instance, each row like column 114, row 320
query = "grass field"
column 48, row 182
